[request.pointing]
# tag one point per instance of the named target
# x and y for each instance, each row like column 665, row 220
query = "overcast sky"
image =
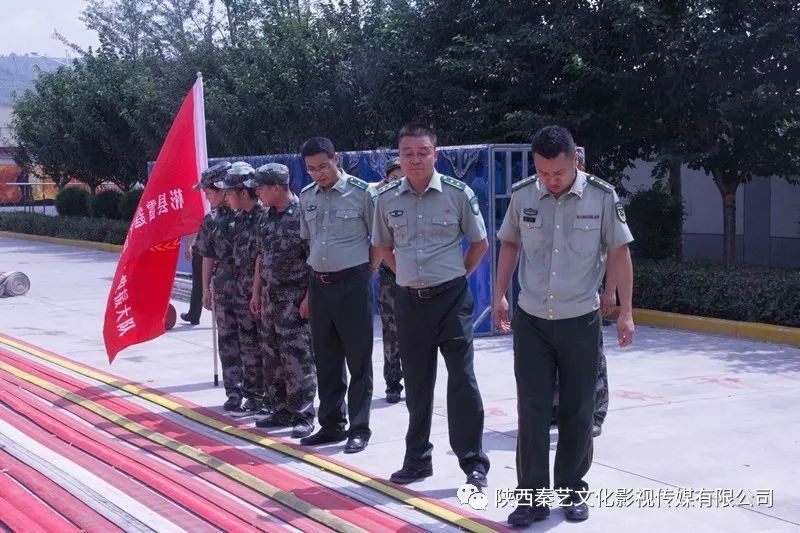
column 27, row 25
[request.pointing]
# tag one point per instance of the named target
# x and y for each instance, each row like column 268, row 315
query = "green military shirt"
column 337, row 223
column 565, row 243
column 426, row 230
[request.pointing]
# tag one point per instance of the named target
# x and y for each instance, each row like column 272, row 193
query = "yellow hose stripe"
column 286, row 498
column 407, row 499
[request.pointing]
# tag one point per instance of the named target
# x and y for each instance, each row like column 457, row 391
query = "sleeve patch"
column 620, row 212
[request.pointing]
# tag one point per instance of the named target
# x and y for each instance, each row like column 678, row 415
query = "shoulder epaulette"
column 361, row 184
column 523, row 183
column 389, row 186
column 307, row 187
column 458, row 184
column 600, row 184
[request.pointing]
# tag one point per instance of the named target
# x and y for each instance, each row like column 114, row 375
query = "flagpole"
column 202, row 164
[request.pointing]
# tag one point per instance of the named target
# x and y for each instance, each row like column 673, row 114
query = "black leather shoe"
column 408, row 475
column 393, row 396
column 323, row 436
column 186, row 318
column 575, row 509
column 356, row 444
column 525, row 515
column 477, row 479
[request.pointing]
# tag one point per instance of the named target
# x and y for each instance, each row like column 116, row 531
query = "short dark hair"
column 552, row 141
column 317, row 145
column 417, row 129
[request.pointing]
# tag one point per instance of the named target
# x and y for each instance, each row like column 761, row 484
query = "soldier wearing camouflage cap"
column 214, row 244
column 245, row 232
column 192, row 316
column 280, row 290
column 392, row 369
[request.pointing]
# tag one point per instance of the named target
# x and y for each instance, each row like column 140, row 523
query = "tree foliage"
column 709, row 83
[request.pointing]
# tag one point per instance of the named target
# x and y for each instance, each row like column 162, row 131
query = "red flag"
column 169, row 209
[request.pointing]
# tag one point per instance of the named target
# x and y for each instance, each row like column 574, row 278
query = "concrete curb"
column 101, row 246
column 730, row 328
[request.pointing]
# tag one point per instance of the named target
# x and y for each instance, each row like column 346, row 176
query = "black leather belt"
column 429, row 292
column 339, row 275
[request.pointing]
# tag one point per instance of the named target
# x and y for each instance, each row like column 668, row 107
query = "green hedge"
column 73, row 201
column 749, row 294
column 656, row 221
column 128, row 204
column 79, row 228
column 105, row 204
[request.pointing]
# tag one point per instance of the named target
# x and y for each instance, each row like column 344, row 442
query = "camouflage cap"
column 236, row 175
column 212, row 174
column 269, row 174
column 391, row 164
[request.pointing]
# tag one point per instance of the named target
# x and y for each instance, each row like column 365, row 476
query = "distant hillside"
column 17, row 73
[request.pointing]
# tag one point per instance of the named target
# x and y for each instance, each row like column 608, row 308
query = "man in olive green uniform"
column 392, row 369
column 420, row 222
column 245, row 251
column 279, row 296
column 337, row 221
column 564, row 225
column 607, row 301
column 214, row 243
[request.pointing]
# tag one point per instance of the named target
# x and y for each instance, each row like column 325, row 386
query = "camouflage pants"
column 249, row 345
column 392, row 370
column 227, row 333
column 289, row 372
column 600, row 390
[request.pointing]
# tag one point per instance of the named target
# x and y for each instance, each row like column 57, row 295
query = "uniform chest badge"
column 396, row 213
column 530, row 211
column 311, row 207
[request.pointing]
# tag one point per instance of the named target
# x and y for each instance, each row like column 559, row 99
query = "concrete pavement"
column 687, row 410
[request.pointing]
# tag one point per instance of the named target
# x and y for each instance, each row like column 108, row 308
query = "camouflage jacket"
column 283, row 252
column 245, row 241
column 215, row 238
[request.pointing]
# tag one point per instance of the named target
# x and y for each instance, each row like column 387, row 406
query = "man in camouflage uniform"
column 245, row 250
column 280, row 295
column 214, row 244
column 392, row 369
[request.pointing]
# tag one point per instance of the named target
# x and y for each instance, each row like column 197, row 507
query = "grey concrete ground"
column 687, row 411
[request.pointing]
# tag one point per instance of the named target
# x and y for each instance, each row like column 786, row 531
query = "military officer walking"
column 420, row 221
column 337, row 220
column 214, row 244
column 564, row 225
column 392, row 369
column 280, row 288
column 245, row 232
